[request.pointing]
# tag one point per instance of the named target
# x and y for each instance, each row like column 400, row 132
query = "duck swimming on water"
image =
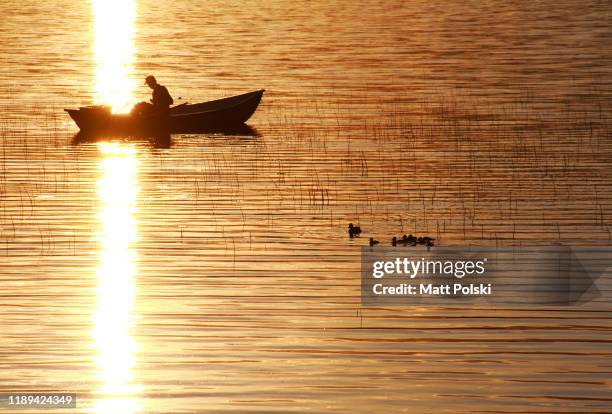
column 425, row 240
column 412, row 240
column 353, row 230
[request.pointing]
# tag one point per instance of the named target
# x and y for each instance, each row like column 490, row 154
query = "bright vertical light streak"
column 114, row 28
column 116, row 292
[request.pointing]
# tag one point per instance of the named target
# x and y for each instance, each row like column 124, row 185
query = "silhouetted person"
column 160, row 100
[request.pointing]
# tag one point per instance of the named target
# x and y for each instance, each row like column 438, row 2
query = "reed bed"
column 463, row 170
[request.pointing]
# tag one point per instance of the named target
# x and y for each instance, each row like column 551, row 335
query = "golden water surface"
column 217, row 276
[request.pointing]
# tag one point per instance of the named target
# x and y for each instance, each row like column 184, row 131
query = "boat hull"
column 217, row 115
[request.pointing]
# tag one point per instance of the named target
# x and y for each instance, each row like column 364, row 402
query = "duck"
column 353, row 230
column 394, row 241
column 425, row 240
column 412, row 240
column 373, row 242
column 429, row 245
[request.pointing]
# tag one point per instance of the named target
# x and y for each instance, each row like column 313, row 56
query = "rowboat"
column 217, row 115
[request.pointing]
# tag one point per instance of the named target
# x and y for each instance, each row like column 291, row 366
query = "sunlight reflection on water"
column 478, row 125
column 113, row 319
column 114, row 52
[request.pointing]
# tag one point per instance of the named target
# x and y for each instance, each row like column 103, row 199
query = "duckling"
column 412, row 240
column 425, row 240
column 429, row 245
column 394, row 241
column 353, row 230
column 373, row 242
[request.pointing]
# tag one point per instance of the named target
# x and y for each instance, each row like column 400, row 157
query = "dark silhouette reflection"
column 158, row 140
column 162, row 139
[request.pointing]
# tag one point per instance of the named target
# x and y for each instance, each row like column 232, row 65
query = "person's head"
column 150, row 80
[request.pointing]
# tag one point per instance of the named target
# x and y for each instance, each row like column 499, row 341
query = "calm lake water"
column 217, row 276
